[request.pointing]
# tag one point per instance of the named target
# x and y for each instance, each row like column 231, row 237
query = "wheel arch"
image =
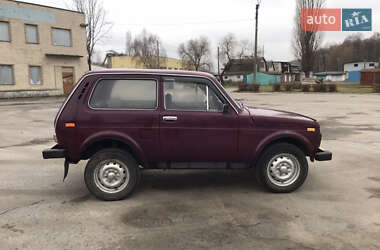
column 94, row 145
column 291, row 138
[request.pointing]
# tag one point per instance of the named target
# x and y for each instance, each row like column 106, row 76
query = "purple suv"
column 125, row 121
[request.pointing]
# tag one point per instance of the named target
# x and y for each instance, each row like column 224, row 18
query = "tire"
column 112, row 174
column 282, row 168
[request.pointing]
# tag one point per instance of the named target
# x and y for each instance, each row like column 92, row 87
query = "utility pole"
column 158, row 55
column 218, row 64
column 255, row 60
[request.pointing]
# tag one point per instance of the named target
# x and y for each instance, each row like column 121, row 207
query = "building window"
column 31, row 32
column 61, row 37
column 238, row 77
column 35, row 75
column 356, row 65
column 6, row 75
column 372, row 65
column 4, row 32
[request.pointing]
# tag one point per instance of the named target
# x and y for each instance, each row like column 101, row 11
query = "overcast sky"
column 178, row 21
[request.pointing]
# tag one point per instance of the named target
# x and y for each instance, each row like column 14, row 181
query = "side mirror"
column 225, row 108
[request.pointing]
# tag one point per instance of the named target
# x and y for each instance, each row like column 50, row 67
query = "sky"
column 178, row 21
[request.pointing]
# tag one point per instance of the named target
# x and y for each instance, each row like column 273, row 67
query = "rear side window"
column 124, row 94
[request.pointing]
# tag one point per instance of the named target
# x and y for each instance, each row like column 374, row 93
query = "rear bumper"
column 54, row 153
column 323, row 155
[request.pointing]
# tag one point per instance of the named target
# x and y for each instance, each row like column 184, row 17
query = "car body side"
column 247, row 131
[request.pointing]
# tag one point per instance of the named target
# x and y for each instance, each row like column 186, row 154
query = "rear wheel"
column 282, row 168
column 111, row 174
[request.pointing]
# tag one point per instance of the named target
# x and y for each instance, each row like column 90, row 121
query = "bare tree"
column 97, row 26
column 195, row 54
column 354, row 48
column 128, row 44
column 306, row 43
column 228, row 46
column 245, row 50
column 148, row 50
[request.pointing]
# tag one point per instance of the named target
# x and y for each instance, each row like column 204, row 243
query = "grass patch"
column 341, row 88
column 355, row 89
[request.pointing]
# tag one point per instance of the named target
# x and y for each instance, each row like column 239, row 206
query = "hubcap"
column 111, row 176
column 283, row 169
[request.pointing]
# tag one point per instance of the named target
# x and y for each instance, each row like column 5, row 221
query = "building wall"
column 50, row 58
column 233, row 78
column 354, row 76
column 128, row 62
column 264, row 79
column 336, row 78
column 349, row 67
column 333, row 78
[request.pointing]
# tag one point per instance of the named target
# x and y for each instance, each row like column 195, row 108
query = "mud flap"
column 66, row 169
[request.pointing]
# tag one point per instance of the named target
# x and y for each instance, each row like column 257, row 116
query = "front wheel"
column 111, row 174
column 282, row 168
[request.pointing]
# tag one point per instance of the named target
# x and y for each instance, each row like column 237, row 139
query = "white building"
column 331, row 76
column 358, row 66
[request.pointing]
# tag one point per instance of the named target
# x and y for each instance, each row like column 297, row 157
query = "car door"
column 124, row 107
column 193, row 126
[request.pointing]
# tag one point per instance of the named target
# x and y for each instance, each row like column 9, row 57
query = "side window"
column 190, row 94
column 124, row 94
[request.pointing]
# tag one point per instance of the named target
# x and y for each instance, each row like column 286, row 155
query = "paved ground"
column 337, row 208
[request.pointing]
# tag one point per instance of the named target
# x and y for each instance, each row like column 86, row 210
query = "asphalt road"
column 337, row 208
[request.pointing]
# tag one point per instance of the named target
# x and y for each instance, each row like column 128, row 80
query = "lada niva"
column 125, row 121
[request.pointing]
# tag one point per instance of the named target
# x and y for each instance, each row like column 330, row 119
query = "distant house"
column 241, row 70
column 97, row 67
column 358, row 66
column 237, row 70
column 116, row 60
column 353, row 69
column 290, row 72
column 331, row 76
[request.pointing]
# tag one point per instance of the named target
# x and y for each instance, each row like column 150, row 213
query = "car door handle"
column 170, row 118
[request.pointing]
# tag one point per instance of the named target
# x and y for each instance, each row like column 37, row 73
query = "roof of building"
column 367, row 61
column 45, row 6
column 330, row 73
column 152, row 72
column 370, row 70
column 116, row 54
column 240, row 66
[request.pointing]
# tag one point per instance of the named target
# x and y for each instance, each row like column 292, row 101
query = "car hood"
column 264, row 116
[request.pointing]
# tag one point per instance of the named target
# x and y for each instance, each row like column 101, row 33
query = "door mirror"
column 225, row 108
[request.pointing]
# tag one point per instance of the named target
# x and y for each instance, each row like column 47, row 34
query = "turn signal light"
column 310, row 129
column 70, row 125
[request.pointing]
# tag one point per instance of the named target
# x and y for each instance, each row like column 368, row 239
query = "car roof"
column 151, row 72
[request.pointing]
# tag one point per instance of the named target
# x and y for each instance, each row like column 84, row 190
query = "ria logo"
column 357, row 19
column 336, row 19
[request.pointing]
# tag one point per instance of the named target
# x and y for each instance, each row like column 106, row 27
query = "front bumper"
column 323, row 155
column 54, row 152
